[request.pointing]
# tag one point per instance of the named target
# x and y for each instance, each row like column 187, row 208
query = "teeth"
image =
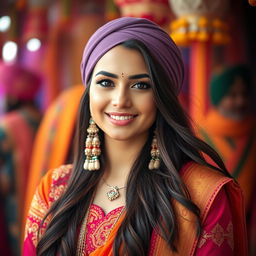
column 121, row 117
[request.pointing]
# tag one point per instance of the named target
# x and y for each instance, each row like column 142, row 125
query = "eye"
column 141, row 85
column 105, row 83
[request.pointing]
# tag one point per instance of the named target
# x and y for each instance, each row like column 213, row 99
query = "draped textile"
column 17, row 130
column 218, row 197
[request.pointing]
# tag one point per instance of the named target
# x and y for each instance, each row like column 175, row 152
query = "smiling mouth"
column 121, row 117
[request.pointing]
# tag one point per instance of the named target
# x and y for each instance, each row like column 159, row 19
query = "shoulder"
column 61, row 174
column 204, row 184
column 196, row 174
column 209, row 190
column 218, row 197
column 54, row 183
column 51, row 187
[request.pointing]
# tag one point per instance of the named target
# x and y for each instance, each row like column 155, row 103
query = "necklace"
column 113, row 193
column 82, row 233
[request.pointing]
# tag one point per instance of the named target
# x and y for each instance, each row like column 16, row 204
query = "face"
column 121, row 97
column 235, row 105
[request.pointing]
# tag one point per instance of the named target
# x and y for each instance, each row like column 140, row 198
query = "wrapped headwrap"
column 18, row 82
column 222, row 82
column 157, row 41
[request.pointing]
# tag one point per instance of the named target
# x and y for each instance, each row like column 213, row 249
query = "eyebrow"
column 105, row 73
column 138, row 76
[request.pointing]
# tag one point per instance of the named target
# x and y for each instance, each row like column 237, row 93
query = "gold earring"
column 92, row 148
column 155, row 155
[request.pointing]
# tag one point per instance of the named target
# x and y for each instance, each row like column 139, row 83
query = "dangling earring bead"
column 155, row 155
column 92, row 148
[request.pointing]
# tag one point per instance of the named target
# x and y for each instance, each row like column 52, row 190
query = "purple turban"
column 158, row 42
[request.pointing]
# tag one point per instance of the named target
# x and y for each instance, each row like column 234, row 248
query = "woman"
column 145, row 188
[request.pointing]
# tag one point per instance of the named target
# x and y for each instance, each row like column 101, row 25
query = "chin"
column 124, row 136
column 119, row 138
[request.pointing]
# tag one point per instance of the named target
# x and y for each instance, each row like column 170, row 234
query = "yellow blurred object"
column 203, row 36
column 192, row 35
column 180, row 38
column 216, row 23
column 191, row 28
column 203, row 22
column 220, row 38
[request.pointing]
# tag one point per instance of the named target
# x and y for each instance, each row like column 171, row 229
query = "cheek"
column 148, row 107
column 96, row 101
column 149, row 103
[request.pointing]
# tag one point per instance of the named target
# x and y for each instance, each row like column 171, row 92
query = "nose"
column 121, row 97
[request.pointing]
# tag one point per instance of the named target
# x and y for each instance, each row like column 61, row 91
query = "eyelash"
column 103, row 81
column 145, row 86
column 108, row 83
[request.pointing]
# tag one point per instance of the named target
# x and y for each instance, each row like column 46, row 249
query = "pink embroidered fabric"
column 98, row 226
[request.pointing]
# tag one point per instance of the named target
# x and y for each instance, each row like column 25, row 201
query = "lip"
column 120, row 122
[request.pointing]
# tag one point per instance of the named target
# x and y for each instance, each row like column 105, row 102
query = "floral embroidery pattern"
column 37, row 211
column 218, row 235
column 98, row 226
column 39, row 207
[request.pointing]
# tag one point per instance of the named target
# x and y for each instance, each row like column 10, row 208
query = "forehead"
column 122, row 59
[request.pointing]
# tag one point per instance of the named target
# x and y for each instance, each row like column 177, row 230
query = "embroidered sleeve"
column 36, row 213
column 49, row 190
column 217, row 234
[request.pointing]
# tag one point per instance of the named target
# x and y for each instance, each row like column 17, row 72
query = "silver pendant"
column 113, row 193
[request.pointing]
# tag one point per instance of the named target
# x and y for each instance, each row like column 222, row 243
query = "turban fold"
column 222, row 82
column 18, row 82
column 157, row 41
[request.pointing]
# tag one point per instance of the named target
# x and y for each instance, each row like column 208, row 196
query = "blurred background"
column 41, row 44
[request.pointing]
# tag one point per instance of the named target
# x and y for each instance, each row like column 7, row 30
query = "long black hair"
column 148, row 199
